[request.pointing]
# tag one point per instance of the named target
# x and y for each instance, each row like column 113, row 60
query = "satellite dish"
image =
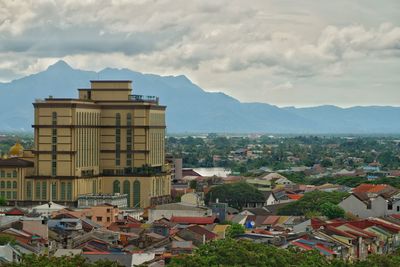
column 252, row 223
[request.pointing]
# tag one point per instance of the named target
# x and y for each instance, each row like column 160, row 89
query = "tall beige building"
column 107, row 141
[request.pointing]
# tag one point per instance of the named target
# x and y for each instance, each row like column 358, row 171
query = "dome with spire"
column 16, row 150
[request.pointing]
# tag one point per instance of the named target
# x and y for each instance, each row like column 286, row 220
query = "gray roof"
column 178, row 206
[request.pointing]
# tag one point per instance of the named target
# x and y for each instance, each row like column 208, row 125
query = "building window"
column 14, row 184
column 116, row 187
column 398, row 208
column 99, row 219
column 14, row 195
column 69, row 191
column 129, row 140
column 118, row 139
column 54, row 191
column 2, row 174
column 8, row 184
column 62, row 191
column 8, row 174
column 127, row 191
column 54, row 145
column 2, row 184
column 14, row 174
column 29, row 190
column 136, row 194
column 108, row 219
column 390, row 206
column 8, row 194
column 44, row 190
column 94, row 187
column 3, row 194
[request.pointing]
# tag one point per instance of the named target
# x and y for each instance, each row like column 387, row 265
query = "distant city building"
column 107, row 141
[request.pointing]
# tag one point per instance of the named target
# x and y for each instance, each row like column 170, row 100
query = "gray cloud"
column 269, row 47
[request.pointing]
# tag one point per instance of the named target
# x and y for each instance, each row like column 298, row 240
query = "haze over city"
column 285, row 53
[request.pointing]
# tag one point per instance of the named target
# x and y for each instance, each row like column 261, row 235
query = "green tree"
column 5, row 239
column 332, row 211
column 231, row 252
column 193, row 184
column 234, row 230
column 33, row 260
column 236, row 195
column 312, row 202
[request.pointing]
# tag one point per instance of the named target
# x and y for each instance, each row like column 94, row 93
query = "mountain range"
column 191, row 109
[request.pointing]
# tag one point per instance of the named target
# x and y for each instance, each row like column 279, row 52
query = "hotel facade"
column 107, row 141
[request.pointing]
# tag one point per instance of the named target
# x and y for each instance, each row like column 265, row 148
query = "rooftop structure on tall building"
column 108, row 141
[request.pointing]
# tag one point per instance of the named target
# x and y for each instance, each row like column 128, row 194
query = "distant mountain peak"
column 60, row 65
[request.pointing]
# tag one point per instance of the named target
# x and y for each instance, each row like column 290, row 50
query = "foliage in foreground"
column 230, row 252
column 34, row 260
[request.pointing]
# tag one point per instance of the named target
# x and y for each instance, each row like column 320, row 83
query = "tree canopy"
column 33, row 260
column 236, row 195
column 231, row 252
column 321, row 202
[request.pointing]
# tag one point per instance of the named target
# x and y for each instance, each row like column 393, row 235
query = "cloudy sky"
column 299, row 52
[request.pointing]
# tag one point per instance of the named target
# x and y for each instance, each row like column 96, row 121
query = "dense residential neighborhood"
column 279, row 208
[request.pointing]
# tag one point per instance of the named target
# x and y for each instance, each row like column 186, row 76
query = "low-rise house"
column 181, row 247
column 368, row 200
column 260, row 184
column 177, row 209
column 9, row 254
column 66, row 224
column 221, row 230
column 47, row 209
column 197, row 234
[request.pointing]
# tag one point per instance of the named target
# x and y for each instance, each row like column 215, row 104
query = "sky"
column 286, row 53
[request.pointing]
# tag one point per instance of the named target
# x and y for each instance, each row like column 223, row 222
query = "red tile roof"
column 14, row 212
column 202, row 231
column 372, row 188
column 271, row 220
column 193, row 220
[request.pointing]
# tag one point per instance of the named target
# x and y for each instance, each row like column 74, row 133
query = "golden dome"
column 16, row 150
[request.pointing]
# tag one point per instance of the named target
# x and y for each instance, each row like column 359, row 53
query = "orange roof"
column 370, row 188
column 295, row 196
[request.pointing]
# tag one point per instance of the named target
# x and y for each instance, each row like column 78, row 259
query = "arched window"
column 8, row 184
column 116, row 187
column 14, row 184
column 2, row 184
column 127, row 190
column 136, row 194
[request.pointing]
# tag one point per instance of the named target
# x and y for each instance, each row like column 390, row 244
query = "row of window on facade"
column 41, row 191
column 4, row 174
column 8, row 184
column 129, row 137
column 126, row 189
column 8, row 195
